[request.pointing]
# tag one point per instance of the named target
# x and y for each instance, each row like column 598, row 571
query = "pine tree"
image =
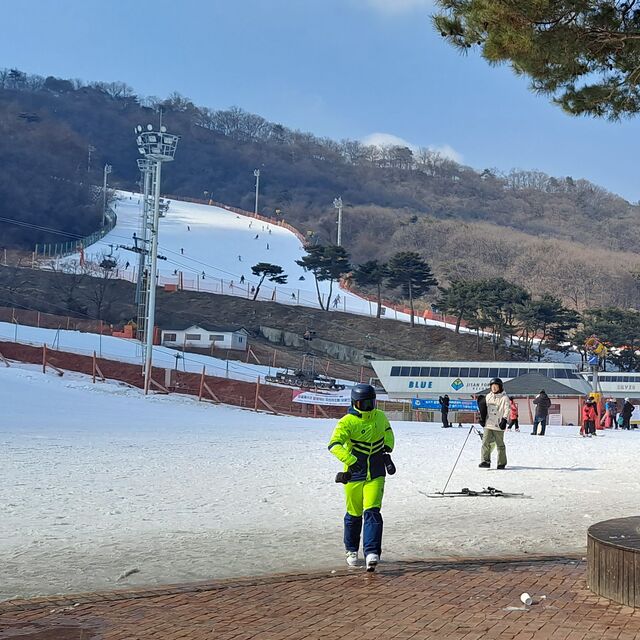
column 409, row 272
column 372, row 274
column 585, row 54
column 271, row 272
column 327, row 263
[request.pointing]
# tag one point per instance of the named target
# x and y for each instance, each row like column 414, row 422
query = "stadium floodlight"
column 337, row 203
column 156, row 147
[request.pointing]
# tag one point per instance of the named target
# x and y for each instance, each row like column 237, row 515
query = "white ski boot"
column 372, row 561
column 352, row 558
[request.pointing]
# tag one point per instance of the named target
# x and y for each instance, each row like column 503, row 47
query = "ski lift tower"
column 157, row 147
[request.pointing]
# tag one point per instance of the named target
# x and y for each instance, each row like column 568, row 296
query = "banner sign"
column 330, row 399
column 454, row 405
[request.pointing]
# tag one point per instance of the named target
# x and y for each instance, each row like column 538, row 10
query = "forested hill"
column 395, row 198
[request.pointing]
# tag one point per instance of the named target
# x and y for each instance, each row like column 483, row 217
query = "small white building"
column 206, row 337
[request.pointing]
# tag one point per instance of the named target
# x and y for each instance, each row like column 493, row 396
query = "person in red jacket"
column 589, row 417
column 513, row 415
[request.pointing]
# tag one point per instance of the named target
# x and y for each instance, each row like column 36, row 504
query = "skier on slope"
column 498, row 410
column 362, row 440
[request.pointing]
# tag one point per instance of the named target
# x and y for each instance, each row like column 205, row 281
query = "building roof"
column 530, row 384
column 183, row 326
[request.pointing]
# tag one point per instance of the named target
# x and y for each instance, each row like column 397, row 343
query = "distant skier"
column 269, row 231
column 239, row 258
column 181, row 251
column 542, row 402
column 253, row 289
column 362, row 440
column 267, row 246
column 293, row 296
column 126, row 266
column 257, row 236
column 203, row 275
column 336, row 301
column 444, row 410
column 188, row 228
column 241, row 279
column 497, row 412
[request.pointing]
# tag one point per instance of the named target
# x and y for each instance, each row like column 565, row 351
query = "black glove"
column 358, row 467
column 343, row 477
column 388, row 463
column 503, row 424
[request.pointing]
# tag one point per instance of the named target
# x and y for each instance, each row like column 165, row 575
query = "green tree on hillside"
column 459, row 299
column 271, row 272
column 585, row 54
column 327, row 263
column 372, row 274
column 409, row 272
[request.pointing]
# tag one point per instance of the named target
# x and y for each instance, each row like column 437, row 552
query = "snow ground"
column 97, row 480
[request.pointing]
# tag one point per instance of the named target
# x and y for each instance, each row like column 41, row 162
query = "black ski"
column 489, row 492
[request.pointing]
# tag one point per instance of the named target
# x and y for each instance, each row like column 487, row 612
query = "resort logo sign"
column 457, row 384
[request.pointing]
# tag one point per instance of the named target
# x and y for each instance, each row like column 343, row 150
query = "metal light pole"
column 157, row 146
column 337, row 203
column 146, row 169
column 256, row 173
column 107, row 171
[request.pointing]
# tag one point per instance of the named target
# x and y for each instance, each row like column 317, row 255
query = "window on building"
column 395, row 371
column 425, row 372
column 415, row 372
column 192, row 336
column 504, row 373
column 513, row 373
column 216, row 337
column 405, row 372
column 483, row 373
column 454, row 372
column 464, row 372
column 444, row 372
column 493, row 373
column 240, row 339
column 170, row 337
column 434, row 372
column 473, row 372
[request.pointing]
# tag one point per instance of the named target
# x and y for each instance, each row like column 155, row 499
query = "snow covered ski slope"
column 215, row 248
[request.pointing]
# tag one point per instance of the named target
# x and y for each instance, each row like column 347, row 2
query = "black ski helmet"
column 497, row 381
column 363, row 397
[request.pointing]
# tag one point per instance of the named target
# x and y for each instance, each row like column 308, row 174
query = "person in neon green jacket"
column 362, row 440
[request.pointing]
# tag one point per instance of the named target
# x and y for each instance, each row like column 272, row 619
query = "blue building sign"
column 454, row 405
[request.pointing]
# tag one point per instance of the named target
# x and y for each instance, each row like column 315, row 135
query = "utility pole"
column 256, row 173
column 107, row 171
column 337, row 203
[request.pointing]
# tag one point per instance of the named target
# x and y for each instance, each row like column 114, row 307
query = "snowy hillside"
column 200, row 240
column 97, row 480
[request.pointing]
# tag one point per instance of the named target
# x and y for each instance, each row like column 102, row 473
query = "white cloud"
column 389, row 140
column 397, row 6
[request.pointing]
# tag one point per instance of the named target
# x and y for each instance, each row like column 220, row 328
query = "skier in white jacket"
column 495, row 424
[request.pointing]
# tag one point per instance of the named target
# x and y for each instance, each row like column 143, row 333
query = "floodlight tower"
column 157, row 146
column 337, row 203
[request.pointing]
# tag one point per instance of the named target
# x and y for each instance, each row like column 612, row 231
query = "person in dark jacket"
column 627, row 410
column 542, row 403
column 444, row 410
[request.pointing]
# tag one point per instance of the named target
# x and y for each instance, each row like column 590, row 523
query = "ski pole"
column 458, row 458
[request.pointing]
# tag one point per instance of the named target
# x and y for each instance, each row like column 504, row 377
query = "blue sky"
column 337, row 68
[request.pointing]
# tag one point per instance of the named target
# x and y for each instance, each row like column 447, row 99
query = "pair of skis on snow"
column 489, row 492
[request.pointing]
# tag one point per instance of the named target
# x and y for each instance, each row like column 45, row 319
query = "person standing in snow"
column 627, row 411
column 444, row 410
column 497, row 405
column 513, row 415
column 589, row 417
column 542, row 403
column 362, row 440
